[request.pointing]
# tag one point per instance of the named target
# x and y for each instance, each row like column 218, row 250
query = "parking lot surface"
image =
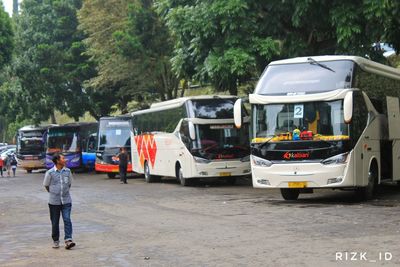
column 210, row 224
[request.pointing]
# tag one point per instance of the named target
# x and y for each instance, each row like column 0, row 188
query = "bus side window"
column 360, row 116
column 91, row 147
column 184, row 133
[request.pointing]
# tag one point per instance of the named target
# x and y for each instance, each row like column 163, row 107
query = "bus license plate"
column 297, row 184
column 224, row 174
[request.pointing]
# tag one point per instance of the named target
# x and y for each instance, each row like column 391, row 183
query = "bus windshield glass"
column 31, row 145
column 217, row 108
column 305, row 78
column 114, row 133
column 300, row 121
column 63, row 139
column 220, row 141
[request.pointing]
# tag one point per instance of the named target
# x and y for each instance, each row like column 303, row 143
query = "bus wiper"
column 265, row 143
column 313, row 61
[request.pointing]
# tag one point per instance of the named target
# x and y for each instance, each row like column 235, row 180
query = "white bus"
column 325, row 122
column 190, row 138
column 31, row 147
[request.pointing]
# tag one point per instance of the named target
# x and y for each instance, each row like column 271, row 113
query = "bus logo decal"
column 147, row 148
column 296, row 155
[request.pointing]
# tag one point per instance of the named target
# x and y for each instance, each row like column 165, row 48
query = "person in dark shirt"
column 123, row 164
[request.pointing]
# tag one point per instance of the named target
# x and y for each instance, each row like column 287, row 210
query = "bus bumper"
column 302, row 175
column 32, row 164
column 109, row 168
column 222, row 169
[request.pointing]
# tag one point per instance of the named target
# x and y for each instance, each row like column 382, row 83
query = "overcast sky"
column 8, row 5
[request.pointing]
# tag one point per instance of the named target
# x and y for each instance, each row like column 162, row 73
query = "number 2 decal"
column 298, row 111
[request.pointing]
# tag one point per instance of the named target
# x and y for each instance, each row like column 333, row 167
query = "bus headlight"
column 261, row 162
column 338, row 159
column 201, row 160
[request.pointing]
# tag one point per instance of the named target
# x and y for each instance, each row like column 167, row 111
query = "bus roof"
column 365, row 64
column 36, row 128
column 174, row 103
column 123, row 116
column 74, row 124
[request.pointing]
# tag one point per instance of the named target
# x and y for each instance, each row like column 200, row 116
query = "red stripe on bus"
column 109, row 167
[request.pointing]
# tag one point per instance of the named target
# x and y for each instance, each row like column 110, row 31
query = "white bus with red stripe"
column 190, row 138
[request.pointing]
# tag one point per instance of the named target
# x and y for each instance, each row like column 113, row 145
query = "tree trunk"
column 53, row 118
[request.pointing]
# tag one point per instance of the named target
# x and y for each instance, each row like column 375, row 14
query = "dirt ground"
column 211, row 224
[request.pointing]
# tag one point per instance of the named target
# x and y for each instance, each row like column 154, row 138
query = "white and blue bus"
column 76, row 141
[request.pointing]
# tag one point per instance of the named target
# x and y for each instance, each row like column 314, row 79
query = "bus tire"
column 290, row 193
column 231, row 180
column 182, row 180
column 147, row 176
column 29, row 171
column 111, row 175
column 368, row 192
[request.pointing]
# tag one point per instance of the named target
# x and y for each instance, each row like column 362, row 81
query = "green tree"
column 50, row 65
column 131, row 48
column 228, row 41
column 6, row 37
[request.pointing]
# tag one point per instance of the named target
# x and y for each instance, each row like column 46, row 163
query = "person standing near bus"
column 123, row 164
column 8, row 164
column 14, row 163
column 1, row 166
column 57, row 182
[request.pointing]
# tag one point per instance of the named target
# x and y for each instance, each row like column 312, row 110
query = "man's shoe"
column 56, row 244
column 69, row 244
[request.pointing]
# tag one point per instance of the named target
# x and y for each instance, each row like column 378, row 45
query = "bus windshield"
column 63, row 139
column 114, row 133
column 303, row 78
column 31, row 145
column 217, row 108
column 300, row 121
column 220, row 141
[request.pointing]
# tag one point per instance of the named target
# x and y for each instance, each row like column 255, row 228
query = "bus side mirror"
column 348, row 107
column 192, row 132
column 237, row 113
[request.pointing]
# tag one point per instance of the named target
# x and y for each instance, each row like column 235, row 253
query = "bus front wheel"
column 368, row 192
column 147, row 176
column 184, row 181
column 111, row 175
column 290, row 194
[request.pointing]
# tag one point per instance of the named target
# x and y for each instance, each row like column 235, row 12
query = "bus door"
column 184, row 155
column 393, row 112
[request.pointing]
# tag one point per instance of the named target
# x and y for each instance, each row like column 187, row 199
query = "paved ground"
column 212, row 224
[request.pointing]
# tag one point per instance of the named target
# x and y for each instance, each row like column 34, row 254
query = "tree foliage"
column 49, row 65
column 6, row 37
column 227, row 41
column 131, row 48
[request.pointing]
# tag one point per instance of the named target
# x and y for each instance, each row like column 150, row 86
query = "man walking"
column 57, row 182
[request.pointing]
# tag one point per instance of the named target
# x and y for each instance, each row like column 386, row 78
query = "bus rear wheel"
column 290, row 194
column 111, row 175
